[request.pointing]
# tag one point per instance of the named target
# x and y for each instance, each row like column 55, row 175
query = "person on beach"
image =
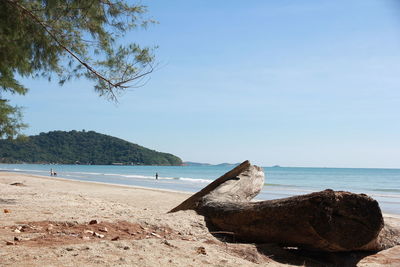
column 51, row 172
column 156, row 175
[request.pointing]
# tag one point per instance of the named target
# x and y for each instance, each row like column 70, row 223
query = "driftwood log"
column 327, row 220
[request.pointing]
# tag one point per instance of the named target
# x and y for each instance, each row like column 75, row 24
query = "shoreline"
column 186, row 193
column 103, row 183
column 56, row 213
column 132, row 227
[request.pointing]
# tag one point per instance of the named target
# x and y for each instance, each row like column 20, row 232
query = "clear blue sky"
column 294, row 83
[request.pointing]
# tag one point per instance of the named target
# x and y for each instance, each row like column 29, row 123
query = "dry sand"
column 44, row 221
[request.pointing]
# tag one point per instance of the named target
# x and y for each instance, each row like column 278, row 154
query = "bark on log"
column 326, row 220
column 244, row 189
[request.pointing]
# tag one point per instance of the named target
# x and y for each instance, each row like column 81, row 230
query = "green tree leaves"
column 10, row 120
column 71, row 39
column 80, row 147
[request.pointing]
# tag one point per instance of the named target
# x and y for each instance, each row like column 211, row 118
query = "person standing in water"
column 156, row 175
column 52, row 173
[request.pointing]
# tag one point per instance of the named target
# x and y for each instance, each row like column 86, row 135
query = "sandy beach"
column 48, row 221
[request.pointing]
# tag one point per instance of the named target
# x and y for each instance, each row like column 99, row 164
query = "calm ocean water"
column 381, row 184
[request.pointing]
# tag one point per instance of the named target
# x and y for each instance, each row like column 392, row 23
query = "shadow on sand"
column 296, row 256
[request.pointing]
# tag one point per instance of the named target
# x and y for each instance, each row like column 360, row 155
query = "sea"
column 280, row 182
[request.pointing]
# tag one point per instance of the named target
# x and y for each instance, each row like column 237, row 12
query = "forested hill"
column 80, row 147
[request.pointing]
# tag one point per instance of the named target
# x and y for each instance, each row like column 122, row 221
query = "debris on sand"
column 93, row 222
column 201, row 250
column 18, row 184
column 49, row 233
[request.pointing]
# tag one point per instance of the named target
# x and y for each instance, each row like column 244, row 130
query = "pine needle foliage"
column 68, row 39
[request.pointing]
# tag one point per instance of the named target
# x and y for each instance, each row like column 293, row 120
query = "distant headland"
column 81, row 147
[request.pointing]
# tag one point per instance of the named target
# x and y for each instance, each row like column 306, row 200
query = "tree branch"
column 110, row 83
